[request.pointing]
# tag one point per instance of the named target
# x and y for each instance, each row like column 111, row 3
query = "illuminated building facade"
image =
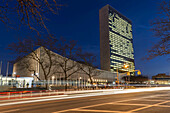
column 116, row 41
column 29, row 67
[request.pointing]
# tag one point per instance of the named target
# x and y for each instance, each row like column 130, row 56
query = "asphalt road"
column 145, row 102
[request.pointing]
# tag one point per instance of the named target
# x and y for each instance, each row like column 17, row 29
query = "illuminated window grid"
column 115, row 40
column 113, row 43
column 119, row 27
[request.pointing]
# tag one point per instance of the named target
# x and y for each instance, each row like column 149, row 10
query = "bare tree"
column 87, row 65
column 161, row 29
column 30, row 12
column 28, row 56
column 67, row 61
column 50, row 62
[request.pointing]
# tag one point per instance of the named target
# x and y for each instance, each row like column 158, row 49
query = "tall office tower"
column 116, row 41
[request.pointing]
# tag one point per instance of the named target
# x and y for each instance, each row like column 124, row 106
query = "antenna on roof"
column 7, row 71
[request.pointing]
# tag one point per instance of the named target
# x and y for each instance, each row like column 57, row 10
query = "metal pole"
column 1, row 80
column 117, row 77
column 0, row 72
column 76, row 83
column 60, row 79
column 79, row 83
column 52, row 80
column 0, row 67
column 83, row 82
column 7, row 72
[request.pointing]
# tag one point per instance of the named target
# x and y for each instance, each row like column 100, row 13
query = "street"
column 142, row 102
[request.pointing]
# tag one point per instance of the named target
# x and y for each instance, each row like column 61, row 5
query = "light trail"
column 90, row 94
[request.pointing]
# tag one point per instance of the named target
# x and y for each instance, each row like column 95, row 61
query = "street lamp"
column 125, row 66
column 79, row 82
column 139, row 72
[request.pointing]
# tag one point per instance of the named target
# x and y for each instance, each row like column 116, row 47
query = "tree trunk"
column 46, row 86
column 65, row 84
column 46, row 83
column 91, row 82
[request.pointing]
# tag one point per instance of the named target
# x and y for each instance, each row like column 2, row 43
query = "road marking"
column 92, row 106
column 162, row 106
column 151, row 100
column 104, row 111
column 107, row 103
column 10, row 111
column 89, row 110
column 131, row 104
column 100, row 98
column 147, row 106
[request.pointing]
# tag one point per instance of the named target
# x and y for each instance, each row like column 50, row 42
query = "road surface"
column 141, row 102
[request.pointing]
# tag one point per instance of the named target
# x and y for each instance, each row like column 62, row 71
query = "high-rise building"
column 116, row 41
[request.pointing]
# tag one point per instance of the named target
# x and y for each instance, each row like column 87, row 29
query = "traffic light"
column 139, row 73
column 117, row 82
column 128, row 73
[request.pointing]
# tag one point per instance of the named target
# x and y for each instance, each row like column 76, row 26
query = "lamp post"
column 0, row 67
column 7, row 73
column 117, row 76
column 79, row 81
column 0, row 72
column 1, row 79
column 53, row 80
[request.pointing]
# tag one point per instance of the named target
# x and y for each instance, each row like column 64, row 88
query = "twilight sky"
column 79, row 20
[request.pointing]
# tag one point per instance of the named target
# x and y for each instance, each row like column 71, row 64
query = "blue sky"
column 79, row 20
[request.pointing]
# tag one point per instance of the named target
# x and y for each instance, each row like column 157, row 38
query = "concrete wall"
column 104, row 38
column 25, row 66
column 23, row 72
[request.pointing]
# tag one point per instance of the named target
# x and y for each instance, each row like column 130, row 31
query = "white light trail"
column 90, row 94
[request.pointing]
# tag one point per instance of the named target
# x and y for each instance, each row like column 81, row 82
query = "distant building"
column 116, row 41
column 18, row 82
column 161, row 78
